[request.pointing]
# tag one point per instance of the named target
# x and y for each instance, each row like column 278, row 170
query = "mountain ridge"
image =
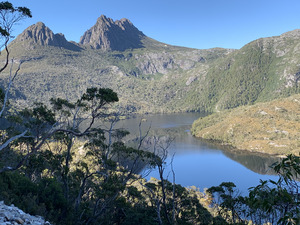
column 106, row 34
column 157, row 77
column 123, row 24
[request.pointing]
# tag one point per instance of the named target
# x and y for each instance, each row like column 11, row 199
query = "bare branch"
column 112, row 124
column 11, row 80
column 7, row 55
column 173, row 197
column 141, row 136
column 12, row 139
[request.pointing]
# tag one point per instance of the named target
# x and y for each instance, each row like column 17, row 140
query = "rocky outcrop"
column 42, row 35
column 164, row 61
column 155, row 62
column 118, row 35
column 11, row 215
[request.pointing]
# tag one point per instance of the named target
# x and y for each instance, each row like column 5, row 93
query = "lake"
column 197, row 163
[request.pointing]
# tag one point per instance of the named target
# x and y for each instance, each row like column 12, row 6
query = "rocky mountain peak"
column 124, row 23
column 42, row 35
column 108, row 34
column 103, row 21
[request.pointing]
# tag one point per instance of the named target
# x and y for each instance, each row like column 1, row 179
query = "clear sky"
column 198, row 24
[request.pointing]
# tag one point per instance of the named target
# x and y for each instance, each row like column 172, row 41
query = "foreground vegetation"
column 38, row 188
column 86, row 175
column 272, row 127
column 67, row 162
column 271, row 202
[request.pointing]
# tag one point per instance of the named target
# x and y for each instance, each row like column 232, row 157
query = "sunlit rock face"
column 107, row 34
column 39, row 33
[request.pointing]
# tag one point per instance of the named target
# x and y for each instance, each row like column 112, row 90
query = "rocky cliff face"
column 42, row 35
column 107, row 34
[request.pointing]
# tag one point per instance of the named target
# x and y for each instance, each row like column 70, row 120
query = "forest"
column 65, row 160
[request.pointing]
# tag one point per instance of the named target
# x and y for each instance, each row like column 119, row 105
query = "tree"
column 9, row 16
column 66, row 167
column 278, row 202
column 91, row 185
column 275, row 202
column 34, row 131
column 226, row 201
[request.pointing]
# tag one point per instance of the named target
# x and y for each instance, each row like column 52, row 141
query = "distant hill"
column 150, row 76
column 272, row 127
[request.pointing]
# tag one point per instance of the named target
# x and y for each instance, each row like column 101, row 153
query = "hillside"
column 150, row 76
column 272, row 127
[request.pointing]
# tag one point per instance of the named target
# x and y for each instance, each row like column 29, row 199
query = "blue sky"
column 190, row 23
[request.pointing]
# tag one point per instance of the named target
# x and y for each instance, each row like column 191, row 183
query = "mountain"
column 117, row 35
column 150, row 76
column 262, row 70
column 39, row 34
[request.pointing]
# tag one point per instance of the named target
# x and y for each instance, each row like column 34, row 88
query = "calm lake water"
column 197, row 163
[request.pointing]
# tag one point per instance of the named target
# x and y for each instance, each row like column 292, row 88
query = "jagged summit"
column 42, row 35
column 107, row 34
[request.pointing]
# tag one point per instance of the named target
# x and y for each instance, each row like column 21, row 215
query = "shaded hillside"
column 150, row 76
column 272, row 127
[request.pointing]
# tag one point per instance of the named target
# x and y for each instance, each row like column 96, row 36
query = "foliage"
column 62, row 164
column 274, row 202
column 228, row 201
column 10, row 15
column 271, row 127
column 69, row 164
column 72, row 170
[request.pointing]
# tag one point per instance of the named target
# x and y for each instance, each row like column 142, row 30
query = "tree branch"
column 12, row 139
column 11, row 79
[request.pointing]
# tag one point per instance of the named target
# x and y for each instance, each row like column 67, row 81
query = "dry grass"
column 272, row 127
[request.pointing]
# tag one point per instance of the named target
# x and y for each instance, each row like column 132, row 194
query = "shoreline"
column 231, row 148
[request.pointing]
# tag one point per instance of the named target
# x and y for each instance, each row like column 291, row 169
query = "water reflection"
column 197, row 162
column 258, row 163
column 200, row 163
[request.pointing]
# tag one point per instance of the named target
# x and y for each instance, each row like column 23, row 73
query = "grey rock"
column 19, row 220
column 190, row 80
column 11, row 215
column 118, row 35
column 40, row 34
column 154, row 62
